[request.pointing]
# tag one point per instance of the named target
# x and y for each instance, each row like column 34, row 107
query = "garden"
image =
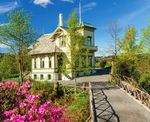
column 38, row 101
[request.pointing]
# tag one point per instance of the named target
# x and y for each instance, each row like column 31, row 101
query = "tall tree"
column 114, row 31
column 77, row 60
column 17, row 34
column 129, row 44
column 146, row 39
column 76, row 44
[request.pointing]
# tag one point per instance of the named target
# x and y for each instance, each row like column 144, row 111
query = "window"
column 62, row 43
column 41, row 63
column 90, row 60
column 35, row 76
column 83, row 61
column 89, row 41
column 50, row 64
column 35, row 63
column 49, row 77
column 41, row 77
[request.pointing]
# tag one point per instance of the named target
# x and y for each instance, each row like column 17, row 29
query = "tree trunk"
column 75, row 88
column 56, row 87
column 21, row 67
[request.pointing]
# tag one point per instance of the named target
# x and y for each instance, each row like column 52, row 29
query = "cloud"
column 126, row 19
column 3, row 46
column 43, row 3
column 69, row 1
column 9, row 6
column 88, row 6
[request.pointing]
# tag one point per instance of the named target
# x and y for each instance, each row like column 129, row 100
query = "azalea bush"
column 17, row 104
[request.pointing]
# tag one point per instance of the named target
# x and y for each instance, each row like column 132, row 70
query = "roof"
column 44, row 46
column 84, row 24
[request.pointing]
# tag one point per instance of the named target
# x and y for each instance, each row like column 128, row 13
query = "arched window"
column 49, row 77
column 50, row 64
column 89, row 41
column 35, row 76
column 35, row 63
column 41, row 77
column 42, row 63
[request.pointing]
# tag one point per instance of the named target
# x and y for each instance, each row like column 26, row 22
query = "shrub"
column 126, row 67
column 144, row 82
column 102, row 64
column 17, row 104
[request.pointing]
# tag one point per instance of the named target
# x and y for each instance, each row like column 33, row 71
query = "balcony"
column 93, row 48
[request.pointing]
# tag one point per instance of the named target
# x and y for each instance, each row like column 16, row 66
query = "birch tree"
column 18, row 34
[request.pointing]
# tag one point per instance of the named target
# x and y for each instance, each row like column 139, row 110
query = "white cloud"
column 126, row 19
column 88, row 6
column 42, row 3
column 9, row 6
column 3, row 46
column 70, row 1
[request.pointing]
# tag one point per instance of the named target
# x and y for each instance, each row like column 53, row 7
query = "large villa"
column 46, row 52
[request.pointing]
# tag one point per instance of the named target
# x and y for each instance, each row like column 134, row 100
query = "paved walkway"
column 111, row 103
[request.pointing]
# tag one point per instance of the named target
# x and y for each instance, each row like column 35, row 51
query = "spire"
column 60, row 20
column 80, row 12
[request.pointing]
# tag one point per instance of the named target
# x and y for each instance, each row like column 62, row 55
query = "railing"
column 129, row 86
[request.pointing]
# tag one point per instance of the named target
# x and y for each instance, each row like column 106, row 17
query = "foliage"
column 17, row 35
column 146, row 39
column 8, row 66
column 134, row 58
column 144, row 82
column 102, row 63
column 17, row 104
column 76, row 43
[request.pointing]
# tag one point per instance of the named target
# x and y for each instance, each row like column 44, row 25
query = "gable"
column 59, row 31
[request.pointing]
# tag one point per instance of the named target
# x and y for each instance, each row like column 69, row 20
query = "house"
column 46, row 52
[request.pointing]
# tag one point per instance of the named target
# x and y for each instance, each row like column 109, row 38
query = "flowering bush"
column 18, row 105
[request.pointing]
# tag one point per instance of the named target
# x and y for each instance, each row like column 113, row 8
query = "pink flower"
column 18, row 118
column 22, row 104
column 43, row 107
column 31, row 98
column 33, row 109
column 9, row 113
column 6, row 120
column 57, row 114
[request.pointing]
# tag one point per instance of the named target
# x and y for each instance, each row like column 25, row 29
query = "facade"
column 46, row 52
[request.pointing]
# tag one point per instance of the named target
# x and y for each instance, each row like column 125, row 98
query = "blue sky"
column 97, row 12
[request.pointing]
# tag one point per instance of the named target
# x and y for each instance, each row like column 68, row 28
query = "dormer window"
column 62, row 43
column 89, row 41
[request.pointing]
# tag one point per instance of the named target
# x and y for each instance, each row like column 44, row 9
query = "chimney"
column 60, row 20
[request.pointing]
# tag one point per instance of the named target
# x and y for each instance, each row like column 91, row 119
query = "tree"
column 76, row 44
column 77, row 60
column 130, row 45
column 114, row 31
column 146, row 39
column 18, row 35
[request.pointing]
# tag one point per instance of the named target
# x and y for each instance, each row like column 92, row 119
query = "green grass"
column 78, row 110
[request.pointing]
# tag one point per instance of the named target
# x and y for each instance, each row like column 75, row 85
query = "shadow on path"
column 103, row 110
